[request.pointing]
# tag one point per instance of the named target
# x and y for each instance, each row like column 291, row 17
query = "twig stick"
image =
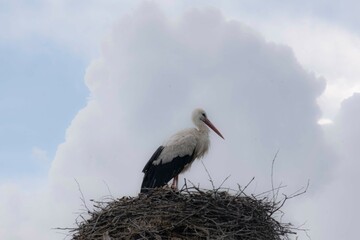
column 82, row 198
column 272, row 174
column 210, row 179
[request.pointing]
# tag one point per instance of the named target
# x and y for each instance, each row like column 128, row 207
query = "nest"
column 190, row 213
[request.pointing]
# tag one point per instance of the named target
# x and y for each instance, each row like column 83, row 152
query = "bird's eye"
column 204, row 115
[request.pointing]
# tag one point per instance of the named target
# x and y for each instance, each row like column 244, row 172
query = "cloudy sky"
column 88, row 91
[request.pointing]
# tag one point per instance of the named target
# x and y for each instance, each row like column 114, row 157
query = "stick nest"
column 190, row 213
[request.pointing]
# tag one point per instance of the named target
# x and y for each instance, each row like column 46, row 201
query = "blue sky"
column 41, row 90
column 88, row 93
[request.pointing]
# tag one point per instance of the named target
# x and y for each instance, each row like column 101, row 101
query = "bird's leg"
column 174, row 184
column 177, row 180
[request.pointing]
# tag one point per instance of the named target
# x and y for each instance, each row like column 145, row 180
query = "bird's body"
column 178, row 152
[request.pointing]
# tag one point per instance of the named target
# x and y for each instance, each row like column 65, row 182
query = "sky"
column 89, row 90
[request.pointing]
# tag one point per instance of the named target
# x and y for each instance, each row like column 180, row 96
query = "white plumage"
column 179, row 145
column 178, row 152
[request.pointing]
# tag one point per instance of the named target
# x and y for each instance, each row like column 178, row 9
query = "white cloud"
column 26, row 211
column 333, row 211
column 348, row 128
column 326, row 49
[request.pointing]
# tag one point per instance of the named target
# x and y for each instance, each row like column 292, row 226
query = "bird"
column 177, row 154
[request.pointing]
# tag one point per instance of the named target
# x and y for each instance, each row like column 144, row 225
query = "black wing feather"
column 153, row 158
column 159, row 175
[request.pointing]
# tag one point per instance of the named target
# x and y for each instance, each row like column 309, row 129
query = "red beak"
column 207, row 122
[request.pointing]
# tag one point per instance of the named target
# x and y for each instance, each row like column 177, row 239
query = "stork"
column 178, row 153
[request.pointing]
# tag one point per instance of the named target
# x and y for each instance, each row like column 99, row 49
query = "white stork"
column 177, row 154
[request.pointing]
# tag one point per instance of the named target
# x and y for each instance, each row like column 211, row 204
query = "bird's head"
column 199, row 117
